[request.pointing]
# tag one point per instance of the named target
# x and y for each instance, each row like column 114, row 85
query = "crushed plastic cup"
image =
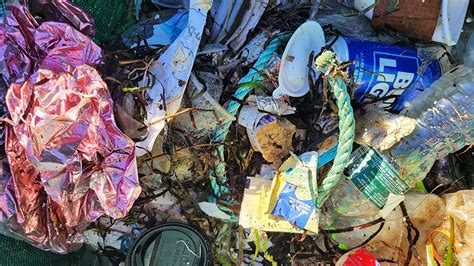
column 426, row 212
column 294, row 70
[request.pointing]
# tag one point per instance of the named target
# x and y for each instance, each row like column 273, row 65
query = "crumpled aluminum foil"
column 70, row 163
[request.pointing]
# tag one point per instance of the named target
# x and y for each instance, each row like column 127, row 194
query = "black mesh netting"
column 16, row 252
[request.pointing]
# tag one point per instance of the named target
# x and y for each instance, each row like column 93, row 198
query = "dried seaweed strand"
column 410, row 227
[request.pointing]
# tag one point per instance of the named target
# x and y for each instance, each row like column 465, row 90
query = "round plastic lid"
column 170, row 244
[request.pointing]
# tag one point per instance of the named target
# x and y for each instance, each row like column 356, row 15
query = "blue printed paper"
column 295, row 189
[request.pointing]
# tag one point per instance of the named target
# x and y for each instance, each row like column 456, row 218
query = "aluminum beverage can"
column 395, row 73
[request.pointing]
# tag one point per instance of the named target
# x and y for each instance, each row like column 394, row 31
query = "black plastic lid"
column 170, row 244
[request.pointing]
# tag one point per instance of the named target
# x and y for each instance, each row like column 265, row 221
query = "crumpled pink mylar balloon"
column 70, row 163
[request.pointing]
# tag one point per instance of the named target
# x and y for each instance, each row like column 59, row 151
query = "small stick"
column 171, row 116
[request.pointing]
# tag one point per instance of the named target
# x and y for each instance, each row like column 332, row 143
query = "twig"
column 149, row 198
column 113, row 80
column 7, row 121
column 353, row 228
column 171, row 116
column 130, row 61
column 299, row 238
column 231, row 65
column 386, row 261
column 448, row 261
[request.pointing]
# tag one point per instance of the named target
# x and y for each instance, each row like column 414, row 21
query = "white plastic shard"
column 171, row 72
column 294, row 70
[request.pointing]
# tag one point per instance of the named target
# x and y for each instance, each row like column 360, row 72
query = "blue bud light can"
column 394, row 73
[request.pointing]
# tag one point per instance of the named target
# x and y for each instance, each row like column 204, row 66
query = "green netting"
column 15, row 252
column 111, row 17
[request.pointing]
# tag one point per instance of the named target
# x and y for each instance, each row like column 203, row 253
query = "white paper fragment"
column 215, row 104
column 219, row 14
column 231, row 18
column 250, row 116
column 166, row 32
column 271, row 105
column 172, row 72
column 211, row 209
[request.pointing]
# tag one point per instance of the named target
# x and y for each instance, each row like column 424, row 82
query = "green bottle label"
column 375, row 176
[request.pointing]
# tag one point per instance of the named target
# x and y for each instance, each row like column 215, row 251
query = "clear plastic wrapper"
column 459, row 206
